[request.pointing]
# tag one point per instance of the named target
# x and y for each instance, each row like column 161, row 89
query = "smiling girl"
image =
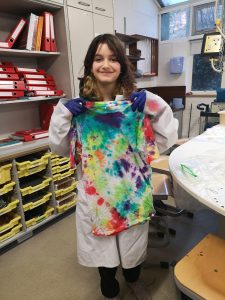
column 112, row 133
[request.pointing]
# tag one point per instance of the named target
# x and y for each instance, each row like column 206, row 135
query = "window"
column 175, row 25
column 203, row 18
column 164, row 3
column 203, row 76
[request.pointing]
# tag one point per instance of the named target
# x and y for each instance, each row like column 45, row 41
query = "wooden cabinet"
column 79, row 41
column 83, row 26
column 135, row 46
column 103, row 7
column 86, row 4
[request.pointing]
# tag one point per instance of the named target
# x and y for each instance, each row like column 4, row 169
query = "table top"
column 198, row 166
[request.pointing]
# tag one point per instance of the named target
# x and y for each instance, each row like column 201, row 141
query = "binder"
column 52, row 35
column 46, row 110
column 29, row 135
column 30, row 88
column 4, row 45
column 16, row 32
column 45, row 43
column 7, row 70
column 39, row 33
column 9, row 76
column 2, row 82
column 48, row 93
column 29, row 70
column 26, row 40
column 38, row 76
column 5, row 64
column 11, row 94
column 39, row 82
column 16, row 85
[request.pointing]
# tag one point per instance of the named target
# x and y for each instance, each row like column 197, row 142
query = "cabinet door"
column 102, row 24
column 103, row 7
column 81, row 34
column 83, row 4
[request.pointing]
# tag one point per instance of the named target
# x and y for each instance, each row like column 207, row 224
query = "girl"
column 108, row 132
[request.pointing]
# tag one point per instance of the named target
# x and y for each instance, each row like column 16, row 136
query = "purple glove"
column 138, row 100
column 76, row 106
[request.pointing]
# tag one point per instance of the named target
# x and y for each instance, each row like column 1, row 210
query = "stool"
column 201, row 273
column 161, row 165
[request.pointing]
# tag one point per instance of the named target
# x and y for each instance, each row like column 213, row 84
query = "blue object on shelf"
column 176, row 65
column 220, row 95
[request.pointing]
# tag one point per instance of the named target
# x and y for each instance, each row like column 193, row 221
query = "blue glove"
column 138, row 100
column 76, row 106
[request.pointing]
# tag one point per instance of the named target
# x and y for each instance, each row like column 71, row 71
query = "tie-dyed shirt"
column 116, row 146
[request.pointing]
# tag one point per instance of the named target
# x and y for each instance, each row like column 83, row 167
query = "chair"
column 201, row 273
column 159, row 232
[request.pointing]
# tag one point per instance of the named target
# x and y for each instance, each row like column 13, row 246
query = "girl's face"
column 105, row 67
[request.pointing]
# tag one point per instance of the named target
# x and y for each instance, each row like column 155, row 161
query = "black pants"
column 109, row 285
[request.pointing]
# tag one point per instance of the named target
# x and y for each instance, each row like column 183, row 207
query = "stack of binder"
column 11, row 87
column 29, row 135
column 35, row 33
column 38, row 82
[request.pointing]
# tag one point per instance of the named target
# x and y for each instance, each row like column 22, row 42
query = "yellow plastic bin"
column 10, row 233
column 5, row 173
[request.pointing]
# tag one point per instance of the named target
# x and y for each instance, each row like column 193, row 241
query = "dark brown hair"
column 126, row 79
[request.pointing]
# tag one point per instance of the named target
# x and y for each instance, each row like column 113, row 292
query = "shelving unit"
column 131, row 45
column 30, row 99
column 33, row 182
column 23, row 114
column 26, row 53
column 55, row 63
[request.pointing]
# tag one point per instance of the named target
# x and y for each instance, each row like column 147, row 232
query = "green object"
column 186, row 169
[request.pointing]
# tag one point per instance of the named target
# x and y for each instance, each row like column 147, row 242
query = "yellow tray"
column 31, row 164
column 31, row 189
column 66, row 206
column 31, row 205
column 7, row 188
column 59, row 160
column 66, row 190
column 41, row 218
column 58, row 169
column 11, row 233
column 53, row 155
column 12, row 205
column 59, row 176
column 5, row 174
column 27, row 172
column 11, row 224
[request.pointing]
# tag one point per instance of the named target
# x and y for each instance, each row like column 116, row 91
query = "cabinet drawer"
column 103, row 7
column 51, row 1
column 82, row 4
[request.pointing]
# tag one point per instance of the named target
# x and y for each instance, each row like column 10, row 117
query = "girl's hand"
column 138, row 100
column 76, row 106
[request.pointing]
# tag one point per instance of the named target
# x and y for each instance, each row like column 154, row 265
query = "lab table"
column 198, row 167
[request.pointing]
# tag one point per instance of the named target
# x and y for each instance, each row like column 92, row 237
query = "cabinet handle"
column 83, row 3
column 99, row 8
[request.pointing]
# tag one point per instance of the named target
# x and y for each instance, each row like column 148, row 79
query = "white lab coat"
column 129, row 247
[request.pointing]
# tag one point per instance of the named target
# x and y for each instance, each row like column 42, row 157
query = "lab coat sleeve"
column 164, row 125
column 59, row 128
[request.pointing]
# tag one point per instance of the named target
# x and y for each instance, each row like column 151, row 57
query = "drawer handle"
column 83, row 3
column 99, row 8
